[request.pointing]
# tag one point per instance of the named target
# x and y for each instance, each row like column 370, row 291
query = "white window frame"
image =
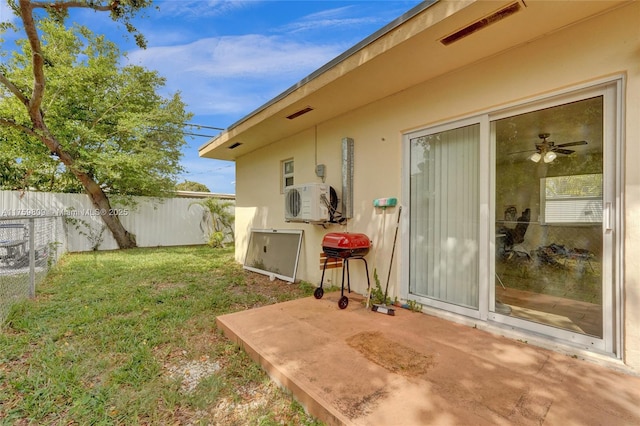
column 569, row 210
column 287, row 174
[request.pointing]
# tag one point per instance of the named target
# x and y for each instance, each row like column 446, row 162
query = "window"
column 571, row 199
column 287, row 173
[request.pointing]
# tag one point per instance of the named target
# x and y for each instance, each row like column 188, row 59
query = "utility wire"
column 199, row 126
column 203, row 126
column 166, row 131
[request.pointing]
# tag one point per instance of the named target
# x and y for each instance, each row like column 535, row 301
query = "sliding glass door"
column 444, row 197
column 554, row 194
column 513, row 217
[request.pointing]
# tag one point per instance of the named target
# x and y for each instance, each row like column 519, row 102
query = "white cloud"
column 326, row 19
column 234, row 74
column 236, row 56
column 6, row 14
column 200, row 8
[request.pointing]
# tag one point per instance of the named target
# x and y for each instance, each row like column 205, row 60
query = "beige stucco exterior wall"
column 602, row 47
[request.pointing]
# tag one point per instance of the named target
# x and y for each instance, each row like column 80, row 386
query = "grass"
column 102, row 342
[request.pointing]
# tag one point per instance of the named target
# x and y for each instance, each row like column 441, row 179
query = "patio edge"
column 311, row 401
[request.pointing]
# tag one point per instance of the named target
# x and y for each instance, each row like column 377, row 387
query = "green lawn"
column 129, row 337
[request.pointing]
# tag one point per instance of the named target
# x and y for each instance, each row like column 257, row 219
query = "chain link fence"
column 29, row 247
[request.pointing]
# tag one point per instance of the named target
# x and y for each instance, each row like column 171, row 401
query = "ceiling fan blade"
column 564, row 151
column 576, row 143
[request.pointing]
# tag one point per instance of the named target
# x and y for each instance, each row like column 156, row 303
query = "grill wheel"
column 343, row 302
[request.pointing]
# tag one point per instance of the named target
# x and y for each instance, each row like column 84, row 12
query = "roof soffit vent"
column 482, row 23
column 299, row 113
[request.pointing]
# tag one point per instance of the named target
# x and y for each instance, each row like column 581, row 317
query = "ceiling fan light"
column 535, row 157
column 550, row 156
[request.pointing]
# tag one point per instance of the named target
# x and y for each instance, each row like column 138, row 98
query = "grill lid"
column 345, row 244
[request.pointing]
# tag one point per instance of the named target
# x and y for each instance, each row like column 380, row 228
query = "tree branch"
column 14, row 89
column 109, row 109
column 72, row 4
column 21, row 127
column 26, row 13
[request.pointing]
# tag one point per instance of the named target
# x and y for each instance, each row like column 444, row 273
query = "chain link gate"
column 29, row 247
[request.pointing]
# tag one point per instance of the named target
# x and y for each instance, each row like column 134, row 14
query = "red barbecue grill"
column 345, row 246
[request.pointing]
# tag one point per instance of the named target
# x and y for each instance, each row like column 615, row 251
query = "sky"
column 228, row 58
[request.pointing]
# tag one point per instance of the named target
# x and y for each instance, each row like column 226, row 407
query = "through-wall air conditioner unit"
column 307, row 203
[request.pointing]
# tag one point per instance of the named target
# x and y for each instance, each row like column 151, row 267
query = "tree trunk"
column 100, row 201
column 98, row 198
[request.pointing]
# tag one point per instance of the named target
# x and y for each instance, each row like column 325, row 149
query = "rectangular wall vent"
column 482, row 23
column 299, row 113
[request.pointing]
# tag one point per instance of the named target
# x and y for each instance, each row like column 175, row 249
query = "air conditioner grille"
column 294, row 203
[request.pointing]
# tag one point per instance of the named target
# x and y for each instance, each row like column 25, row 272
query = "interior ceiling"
column 372, row 72
column 577, row 121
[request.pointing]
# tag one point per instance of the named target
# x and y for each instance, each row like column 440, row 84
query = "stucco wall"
column 604, row 46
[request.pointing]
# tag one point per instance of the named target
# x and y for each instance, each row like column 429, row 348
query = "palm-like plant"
column 217, row 221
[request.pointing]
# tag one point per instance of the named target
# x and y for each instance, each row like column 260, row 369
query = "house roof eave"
column 220, row 140
column 407, row 52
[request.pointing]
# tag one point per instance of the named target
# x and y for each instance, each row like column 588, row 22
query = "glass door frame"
column 611, row 289
column 611, row 344
column 483, row 172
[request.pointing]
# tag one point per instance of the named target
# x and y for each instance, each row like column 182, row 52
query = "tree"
column 188, row 185
column 72, row 119
column 217, row 220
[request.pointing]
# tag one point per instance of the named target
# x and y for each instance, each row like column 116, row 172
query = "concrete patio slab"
column 358, row 367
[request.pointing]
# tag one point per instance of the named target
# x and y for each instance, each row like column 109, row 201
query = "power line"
column 156, row 129
column 199, row 126
column 203, row 126
column 196, row 134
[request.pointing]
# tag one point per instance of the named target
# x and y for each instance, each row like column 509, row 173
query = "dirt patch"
column 391, row 355
column 190, row 373
column 354, row 408
column 276, row 290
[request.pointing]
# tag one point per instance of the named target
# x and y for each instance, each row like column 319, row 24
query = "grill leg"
column 324, row 268
column 319, row 291
column 344, row 301
column 345, row 265
column 366, row 268
column 348, row 278
column 345, row 262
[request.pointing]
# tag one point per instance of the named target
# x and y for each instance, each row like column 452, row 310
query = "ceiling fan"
column 548, row 150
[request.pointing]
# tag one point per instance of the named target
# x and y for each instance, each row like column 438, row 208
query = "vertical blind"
column 444, row 216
